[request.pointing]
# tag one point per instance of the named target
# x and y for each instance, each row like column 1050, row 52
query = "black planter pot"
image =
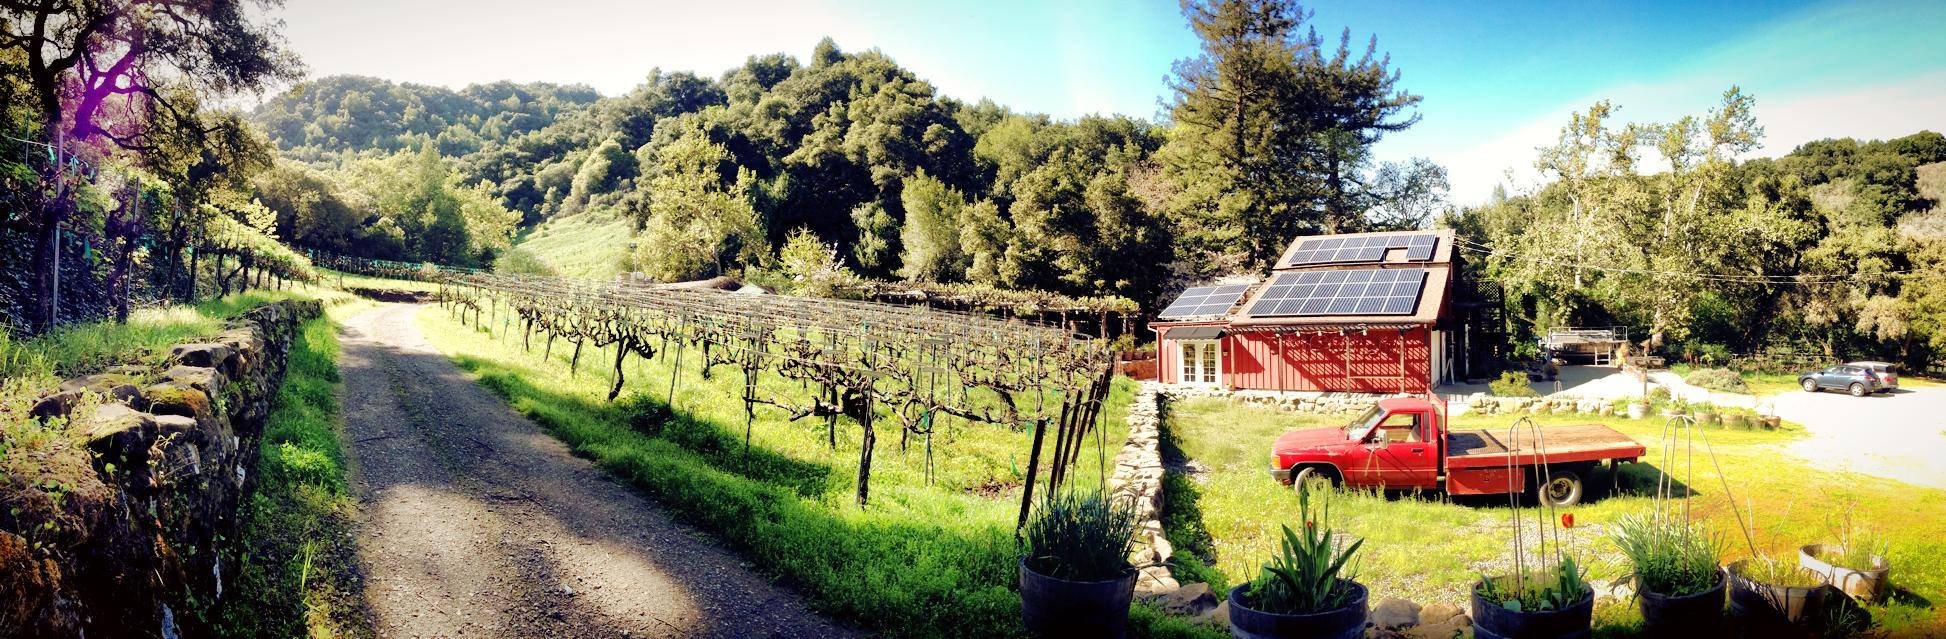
column 1682, row 616
column 1776, row 610
column 1060, row 608
column 1344, row 623
column 1492, row 621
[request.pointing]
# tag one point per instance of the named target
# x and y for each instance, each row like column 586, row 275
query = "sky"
column 1498, row 80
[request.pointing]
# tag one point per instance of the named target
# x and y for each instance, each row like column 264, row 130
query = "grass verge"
column 297, row 572
column 1430, row 548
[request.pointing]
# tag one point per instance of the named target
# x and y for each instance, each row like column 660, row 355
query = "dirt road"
column 476, row 523
column 1900, row 435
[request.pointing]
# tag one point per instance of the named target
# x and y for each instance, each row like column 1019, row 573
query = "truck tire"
column 1310, row 473
column 1857, row 389
column 1563, row 488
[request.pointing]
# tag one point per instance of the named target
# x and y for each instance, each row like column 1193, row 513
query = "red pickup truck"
column 1402, row 443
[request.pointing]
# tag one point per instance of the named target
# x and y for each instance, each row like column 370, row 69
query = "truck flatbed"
column 1479, row 449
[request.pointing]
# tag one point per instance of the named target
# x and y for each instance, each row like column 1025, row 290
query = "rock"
column 1189, row 600
column 1439, row 613
column 1460, row 626
column 201, row 355
column 1218, row 616
column 1393, row 612
column 1155, row 580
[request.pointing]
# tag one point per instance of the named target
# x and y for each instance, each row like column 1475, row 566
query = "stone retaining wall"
column 1137, row 483
column 117, row 531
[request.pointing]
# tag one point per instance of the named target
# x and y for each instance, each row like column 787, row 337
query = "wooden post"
column 1033, row 465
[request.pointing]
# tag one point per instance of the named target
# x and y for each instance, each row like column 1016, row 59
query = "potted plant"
column 1075, row 578
column 1703, row 412
column 1545, row 604
column 1637, row 409
column 1770, row 595
column 1678, row 407
column 1856, row 564
column 1304, row 591
column 1676, row 570
column 1737, row 418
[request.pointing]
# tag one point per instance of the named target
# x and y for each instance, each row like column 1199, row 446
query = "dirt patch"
column 477, row 523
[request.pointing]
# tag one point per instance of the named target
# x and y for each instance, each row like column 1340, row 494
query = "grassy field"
column 296, row 570
column 591, row 245
column 1430, row 549
column 1760, row 384
column 922, row 559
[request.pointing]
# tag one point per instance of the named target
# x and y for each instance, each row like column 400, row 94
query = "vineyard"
column 881, row 366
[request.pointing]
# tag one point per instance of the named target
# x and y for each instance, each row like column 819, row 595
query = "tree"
column 696, row 226
column 931, row 233
column 1273, row 138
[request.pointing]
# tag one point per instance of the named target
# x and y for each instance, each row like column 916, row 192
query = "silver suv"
column 1851, row 378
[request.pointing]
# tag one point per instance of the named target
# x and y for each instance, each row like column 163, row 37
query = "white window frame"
column 1194, row 376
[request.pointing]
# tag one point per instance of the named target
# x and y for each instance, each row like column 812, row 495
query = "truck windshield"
column 1363, row 420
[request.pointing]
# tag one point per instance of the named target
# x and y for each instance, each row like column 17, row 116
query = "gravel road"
column 1899, row 435
column 477, row 523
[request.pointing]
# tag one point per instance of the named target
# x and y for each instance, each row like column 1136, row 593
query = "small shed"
column 1357, row 312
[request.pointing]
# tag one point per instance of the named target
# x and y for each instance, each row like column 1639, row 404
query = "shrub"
column 1512, row 384
column 1668, row 557
column 1710, row 354
column 1303, row 579
column 1080, row 536
column 1717, row 379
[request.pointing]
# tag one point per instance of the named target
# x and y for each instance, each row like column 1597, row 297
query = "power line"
column 1477, row 247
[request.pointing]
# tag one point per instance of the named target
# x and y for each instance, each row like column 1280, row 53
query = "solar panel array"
column 1368, row 291
column 1204, row 300
column 1363, row 248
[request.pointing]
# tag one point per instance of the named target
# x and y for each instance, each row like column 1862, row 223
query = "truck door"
column 1405, row 457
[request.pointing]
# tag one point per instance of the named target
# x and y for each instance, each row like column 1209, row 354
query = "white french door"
column 1201, row 362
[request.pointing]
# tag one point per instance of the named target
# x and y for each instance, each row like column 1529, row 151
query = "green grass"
column 1760, row 384
column 922, row 559
column 591, row 245
column 297, row 557
column 1431, row 548
column 348, row 281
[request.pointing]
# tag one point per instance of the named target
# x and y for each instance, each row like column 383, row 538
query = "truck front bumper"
column 1282, row 475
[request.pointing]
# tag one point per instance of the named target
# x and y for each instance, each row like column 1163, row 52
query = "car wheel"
column 1563, row 488
column 1857, row 389
column 1810, row 386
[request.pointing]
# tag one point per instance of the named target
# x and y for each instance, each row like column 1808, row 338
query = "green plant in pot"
column 1776, row 597
column 1677, row 571
column 1547, row 594
column 1856, row 563
column 1075, row 578
column 1304, row 591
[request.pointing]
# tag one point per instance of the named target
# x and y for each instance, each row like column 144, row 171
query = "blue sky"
column 1498, row 79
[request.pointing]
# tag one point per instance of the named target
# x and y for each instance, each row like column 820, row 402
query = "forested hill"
column 332, row 115
column 852, row 152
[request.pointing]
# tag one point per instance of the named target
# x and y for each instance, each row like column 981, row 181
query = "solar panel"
column 1368, row 291
column 1363, row 248
column 1204, row 300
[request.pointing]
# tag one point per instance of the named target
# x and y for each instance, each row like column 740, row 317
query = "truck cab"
column 1396, row 443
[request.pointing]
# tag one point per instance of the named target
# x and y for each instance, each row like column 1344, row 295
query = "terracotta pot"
column 1344, row 623
column 1864, row 584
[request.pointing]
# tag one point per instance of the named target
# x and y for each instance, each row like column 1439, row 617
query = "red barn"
column 1359, row 312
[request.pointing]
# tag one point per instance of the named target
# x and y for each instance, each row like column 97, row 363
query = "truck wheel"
column 1563, row 488
column 1310, row 474
column 1810, row 386
column 1857, row 390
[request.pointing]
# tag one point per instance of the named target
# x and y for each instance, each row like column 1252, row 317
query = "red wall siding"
column 1367, row 362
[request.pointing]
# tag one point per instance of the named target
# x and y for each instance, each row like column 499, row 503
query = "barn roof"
column 1350, row 279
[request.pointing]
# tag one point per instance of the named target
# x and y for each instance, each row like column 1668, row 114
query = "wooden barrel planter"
column 1053, row 607
column 1344, row 623
column 1863, row 584
column 1683, row 615
column 1493, row 621
column 1773, row 610
column 1736, row 420
column 1704, row 417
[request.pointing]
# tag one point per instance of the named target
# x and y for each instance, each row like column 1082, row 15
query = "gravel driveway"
column 1899, row 435
column 476, row 523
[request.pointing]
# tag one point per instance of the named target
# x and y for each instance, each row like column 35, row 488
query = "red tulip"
column 1310, row 524
column 1567, row 520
